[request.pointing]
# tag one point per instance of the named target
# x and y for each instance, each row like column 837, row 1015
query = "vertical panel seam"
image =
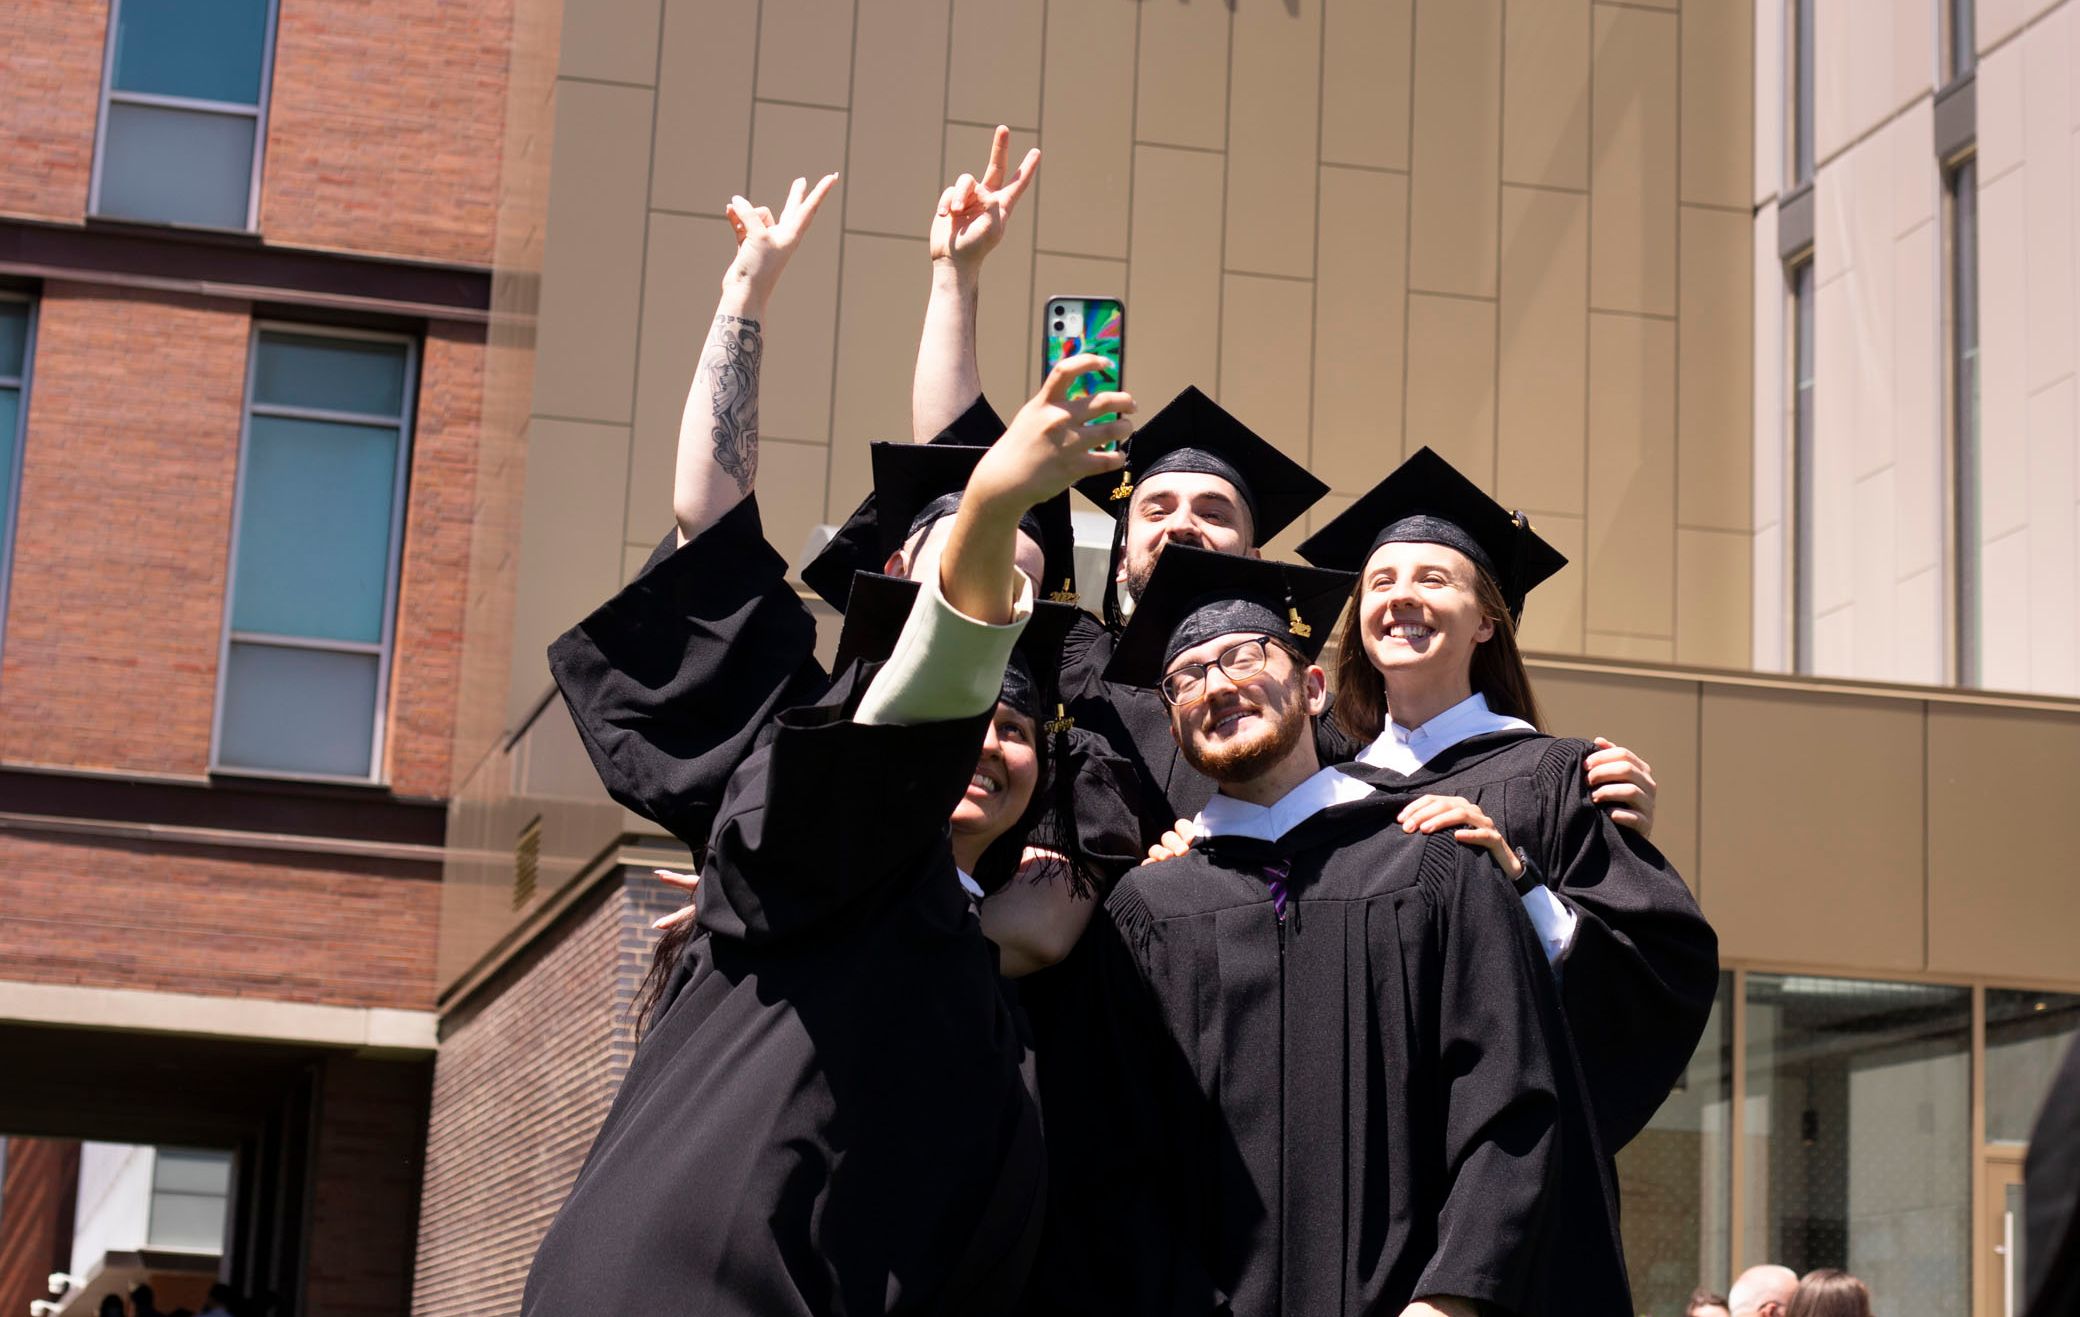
column 830, row 432
column 1588, row 339
column 1220, row 294
column 1675, row 428
column 635, row 373
column 1314, row 281
column 1408, row 222
column 1495, row 362
column 1033, row 257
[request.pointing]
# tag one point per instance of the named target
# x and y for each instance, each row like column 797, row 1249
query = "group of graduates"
column 1044, row 962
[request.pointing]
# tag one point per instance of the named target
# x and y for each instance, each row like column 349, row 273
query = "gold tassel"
column 1126, row 487
column 1067, row 594
column 1061, row 722
column 1297, row 625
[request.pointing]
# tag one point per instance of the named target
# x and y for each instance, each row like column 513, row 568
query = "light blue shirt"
column 1406, row 749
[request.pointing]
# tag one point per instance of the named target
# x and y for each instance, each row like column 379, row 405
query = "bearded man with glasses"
column 1348, row 1079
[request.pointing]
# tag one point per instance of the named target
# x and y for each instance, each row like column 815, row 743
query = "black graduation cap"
column 918, row 483
column 1197, row 594
column 1426, row 501
column 1195, row 433
column 879, row 605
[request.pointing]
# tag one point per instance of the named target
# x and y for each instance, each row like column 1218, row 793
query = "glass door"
column 2000, row 1266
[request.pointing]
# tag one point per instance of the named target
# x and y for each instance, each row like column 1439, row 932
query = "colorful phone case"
column 1103, row 322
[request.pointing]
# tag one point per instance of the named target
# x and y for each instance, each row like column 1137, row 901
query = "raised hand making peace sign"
column 972, row 213
column 765, row 243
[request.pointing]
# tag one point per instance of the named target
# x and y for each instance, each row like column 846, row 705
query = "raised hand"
column 972, row 214
column 1047, row 448
column 765, row 243
column 1050, row 444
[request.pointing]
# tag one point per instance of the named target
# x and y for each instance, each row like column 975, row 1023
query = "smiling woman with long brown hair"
column 1432, row 682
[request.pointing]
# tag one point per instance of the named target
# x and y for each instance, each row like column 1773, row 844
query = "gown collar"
column 1225, row 816
column 1406, row 749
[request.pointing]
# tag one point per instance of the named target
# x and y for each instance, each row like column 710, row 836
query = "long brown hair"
column 1830, row 1293
column 1497, row 672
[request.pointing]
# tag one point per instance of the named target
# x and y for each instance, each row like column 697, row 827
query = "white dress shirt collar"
column 1225, row 816
column 1405, row 749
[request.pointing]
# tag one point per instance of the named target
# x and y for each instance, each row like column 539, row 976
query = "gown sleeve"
column 1638, row 979
column 829, row 812
column 1495, row 1030
column 977, row 427
column 671, row 681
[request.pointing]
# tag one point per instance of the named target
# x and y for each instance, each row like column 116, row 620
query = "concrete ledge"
column 249, row 1018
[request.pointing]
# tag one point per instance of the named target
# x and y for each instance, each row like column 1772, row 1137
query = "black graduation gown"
column 1355, row 1105
column 1636, row 983
column 2051, row 1198
column 834, row 1114
column 672, row 681
column 1638, row 980
column 1137, row 724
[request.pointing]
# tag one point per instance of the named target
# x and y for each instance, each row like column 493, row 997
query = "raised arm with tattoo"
column 718, row 431
column 967, row 227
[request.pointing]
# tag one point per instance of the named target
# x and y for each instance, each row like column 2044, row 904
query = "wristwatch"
column 1530, row 876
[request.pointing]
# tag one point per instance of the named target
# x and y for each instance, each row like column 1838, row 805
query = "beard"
column 1136, row 584
column 1247, row 760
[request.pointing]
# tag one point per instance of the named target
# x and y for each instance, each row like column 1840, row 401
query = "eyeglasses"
column 1238, row 662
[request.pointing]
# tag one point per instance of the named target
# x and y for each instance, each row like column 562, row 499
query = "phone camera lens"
column 1061, row 310
column 1057, row 326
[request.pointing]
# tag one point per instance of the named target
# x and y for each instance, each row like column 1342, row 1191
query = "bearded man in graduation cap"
column 1352, row 1089
column 1196, row 475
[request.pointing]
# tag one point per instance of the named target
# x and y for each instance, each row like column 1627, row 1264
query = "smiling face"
column 1420, row 613
column 1237, row 731
column 1180, row 507
column 1004, row 778
column 924, row 549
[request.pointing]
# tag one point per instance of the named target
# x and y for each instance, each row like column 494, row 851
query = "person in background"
column 1763, row 1291
column 1826, row 1292
column 143, row 1302
column 222, row 1301
column 1704, row 1303
column 111, row 1305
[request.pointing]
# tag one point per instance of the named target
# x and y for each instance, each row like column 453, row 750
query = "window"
column 1801, row 42
column 183, row 112
column 17, row 349
column 2027, row 1034
column 1803, row 488
column 191, row 1189
column 314, row 552
column 1676, row 1179
column 1857, row 1135
column 1962, row 204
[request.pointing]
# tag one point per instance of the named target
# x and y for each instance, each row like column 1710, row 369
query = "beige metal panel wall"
column 1835, row 827
column 1366, row 226
column 1998, row 895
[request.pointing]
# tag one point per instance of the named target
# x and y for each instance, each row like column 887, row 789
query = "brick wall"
column 525, row 1074
column 365, row 1187
column 50, row 65
column 36, row 1207
column 222, row 922
column 121, row 551
column 384, row 128
column 110, row 653
column 434, row 583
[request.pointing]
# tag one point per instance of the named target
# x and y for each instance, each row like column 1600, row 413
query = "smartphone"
column 1076, row 324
